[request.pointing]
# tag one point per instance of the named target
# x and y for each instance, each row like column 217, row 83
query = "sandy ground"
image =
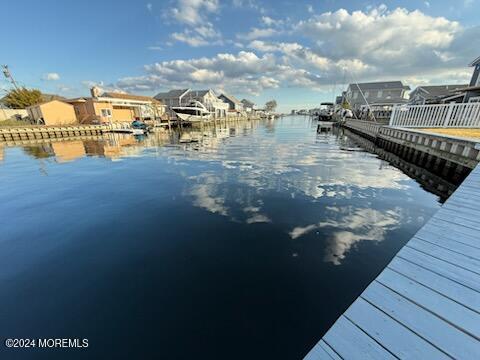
column 465, row 133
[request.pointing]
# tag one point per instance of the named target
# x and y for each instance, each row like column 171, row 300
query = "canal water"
column 241, row 241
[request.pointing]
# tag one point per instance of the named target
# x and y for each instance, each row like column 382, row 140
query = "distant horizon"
column 298, row 54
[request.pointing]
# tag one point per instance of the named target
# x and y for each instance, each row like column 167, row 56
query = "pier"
column 455, row 150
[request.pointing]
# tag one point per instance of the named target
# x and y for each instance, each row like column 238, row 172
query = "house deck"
column 426, row 303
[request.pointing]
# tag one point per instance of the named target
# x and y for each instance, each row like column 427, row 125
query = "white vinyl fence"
column 462, row 115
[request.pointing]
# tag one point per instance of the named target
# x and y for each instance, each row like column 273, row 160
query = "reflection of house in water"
column 118, row 147
column 40, row 151
column 68, row 150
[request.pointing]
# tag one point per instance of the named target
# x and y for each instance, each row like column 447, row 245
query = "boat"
column 326, row 112
column 137, row 127
column 195, row 111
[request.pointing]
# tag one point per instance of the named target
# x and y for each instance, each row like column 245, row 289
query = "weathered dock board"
column 426, row 303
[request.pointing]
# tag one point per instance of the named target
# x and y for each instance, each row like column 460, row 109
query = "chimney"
column 95, row 91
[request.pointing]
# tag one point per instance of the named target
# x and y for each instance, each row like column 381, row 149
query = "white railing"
column 463, row 115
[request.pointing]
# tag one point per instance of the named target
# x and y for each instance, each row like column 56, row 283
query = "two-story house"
column 472, row 93
column 437, row 94
column 232, row 101
column 247, row 105
column 381, row 94
column 211, row 101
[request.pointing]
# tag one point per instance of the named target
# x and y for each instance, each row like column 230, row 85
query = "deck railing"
column 463, row 115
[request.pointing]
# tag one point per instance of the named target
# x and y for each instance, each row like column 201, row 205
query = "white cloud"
column 377, row 44
column 310, row 9
column 193, row 12
column 257, row 33
column 390, row 43
column 149, row 7
column 244, row 71
column 248, row 4
column 268, row 21
column 51, row 76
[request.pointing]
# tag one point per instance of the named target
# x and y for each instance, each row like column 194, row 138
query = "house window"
column 475, row 99
column 355, row 94
column 366, row 94
column 106, row 112
column 380, row 93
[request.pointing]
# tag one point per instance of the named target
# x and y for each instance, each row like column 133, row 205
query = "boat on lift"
column 195, row 111
column 326, row 111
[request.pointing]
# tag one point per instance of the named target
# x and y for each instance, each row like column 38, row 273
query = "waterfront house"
column 173, row 98
column 54, row 112
column 382, row 95
column 472, row 92
column 437, row 94
column 232, row 101
column 210, row 100
column 115, row 107
column 247, row 105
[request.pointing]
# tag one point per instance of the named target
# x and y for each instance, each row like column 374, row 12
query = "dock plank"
column 456, row 314
column 398, row 339
column 449, row 288
column 349, row 342
column 436, row 331
column 440, row 230
column 450, row 243
column 450, row 271
column 319, row 352
column 441, row 253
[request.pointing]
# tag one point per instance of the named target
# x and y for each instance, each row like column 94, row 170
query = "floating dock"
column 426, row 303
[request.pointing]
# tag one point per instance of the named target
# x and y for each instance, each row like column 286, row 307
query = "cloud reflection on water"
column 237, row 166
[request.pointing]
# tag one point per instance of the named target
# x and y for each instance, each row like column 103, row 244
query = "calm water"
column 247, row 244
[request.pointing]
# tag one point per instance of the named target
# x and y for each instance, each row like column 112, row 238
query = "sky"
column 297, row 52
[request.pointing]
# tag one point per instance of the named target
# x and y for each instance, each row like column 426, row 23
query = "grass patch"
column 13, row 122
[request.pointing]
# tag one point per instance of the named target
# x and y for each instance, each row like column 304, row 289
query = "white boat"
column 129, row 131
column 326, row 111
column 193, row 112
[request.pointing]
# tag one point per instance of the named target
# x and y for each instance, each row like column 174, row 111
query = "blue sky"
column 299, row 52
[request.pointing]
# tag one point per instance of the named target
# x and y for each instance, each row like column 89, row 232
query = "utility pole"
column 8, row 76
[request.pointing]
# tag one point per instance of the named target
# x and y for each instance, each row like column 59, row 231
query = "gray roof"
column 231, row 98
column 247, row 103
column 475, row 62
column 381, row 85
column 198, row 93
column 172, row 94
column 440, row 90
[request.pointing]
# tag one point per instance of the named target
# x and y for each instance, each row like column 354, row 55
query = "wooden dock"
column 17, row 133
column 426, row 303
